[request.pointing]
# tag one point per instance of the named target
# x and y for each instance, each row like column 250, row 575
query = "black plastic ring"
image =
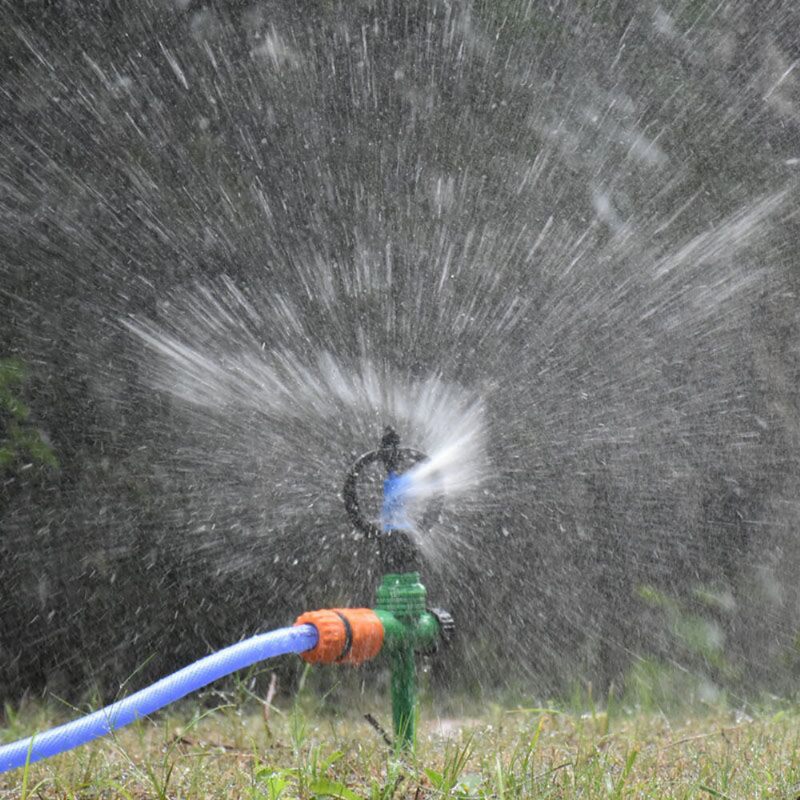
column 348, row 635
column 350, row 490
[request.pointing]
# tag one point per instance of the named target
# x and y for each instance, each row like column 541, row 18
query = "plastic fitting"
column 346, row 635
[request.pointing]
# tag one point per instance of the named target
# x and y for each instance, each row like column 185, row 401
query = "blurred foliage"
column 692, row 664
column 20, row 440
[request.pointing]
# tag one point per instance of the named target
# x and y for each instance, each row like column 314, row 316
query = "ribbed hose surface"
column 266, row 645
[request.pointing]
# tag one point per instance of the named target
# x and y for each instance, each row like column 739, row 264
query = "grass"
column 238, row 751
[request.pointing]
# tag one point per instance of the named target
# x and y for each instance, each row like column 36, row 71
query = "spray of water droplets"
column 551, row 244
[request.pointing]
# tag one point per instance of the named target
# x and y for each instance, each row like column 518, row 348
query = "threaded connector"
column 447, row 625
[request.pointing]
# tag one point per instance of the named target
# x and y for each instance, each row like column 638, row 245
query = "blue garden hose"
column 296, row 639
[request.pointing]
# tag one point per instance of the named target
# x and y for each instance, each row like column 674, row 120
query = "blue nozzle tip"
column 393, row 512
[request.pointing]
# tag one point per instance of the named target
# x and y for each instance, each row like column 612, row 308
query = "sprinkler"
column 400, row 623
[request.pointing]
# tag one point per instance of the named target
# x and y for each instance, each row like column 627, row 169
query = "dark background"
column 640, row 520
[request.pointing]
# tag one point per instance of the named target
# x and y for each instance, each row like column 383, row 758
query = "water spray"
column 401, row 624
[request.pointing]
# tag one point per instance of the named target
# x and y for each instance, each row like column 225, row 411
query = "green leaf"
column 16, row 408
column 275, row 781
column 436, row 778
column 629, row 762
column 12, row 372
column 653, row 597
column 324, row 787
column 41, row 452
column 713, row 792
column 331, row 760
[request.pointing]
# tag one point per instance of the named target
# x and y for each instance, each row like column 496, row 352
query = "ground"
column 246, row 751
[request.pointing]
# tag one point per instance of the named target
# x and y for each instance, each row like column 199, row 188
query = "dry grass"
column 235, row 752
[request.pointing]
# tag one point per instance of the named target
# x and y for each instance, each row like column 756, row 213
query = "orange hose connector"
column 346, row 635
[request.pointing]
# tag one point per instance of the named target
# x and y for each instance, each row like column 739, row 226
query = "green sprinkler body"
column 409, row 628
column 401, row 623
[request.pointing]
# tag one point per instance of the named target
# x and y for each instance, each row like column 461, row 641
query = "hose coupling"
column 346, row 635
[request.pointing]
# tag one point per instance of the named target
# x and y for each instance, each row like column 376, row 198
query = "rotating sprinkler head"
column 397, row 548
